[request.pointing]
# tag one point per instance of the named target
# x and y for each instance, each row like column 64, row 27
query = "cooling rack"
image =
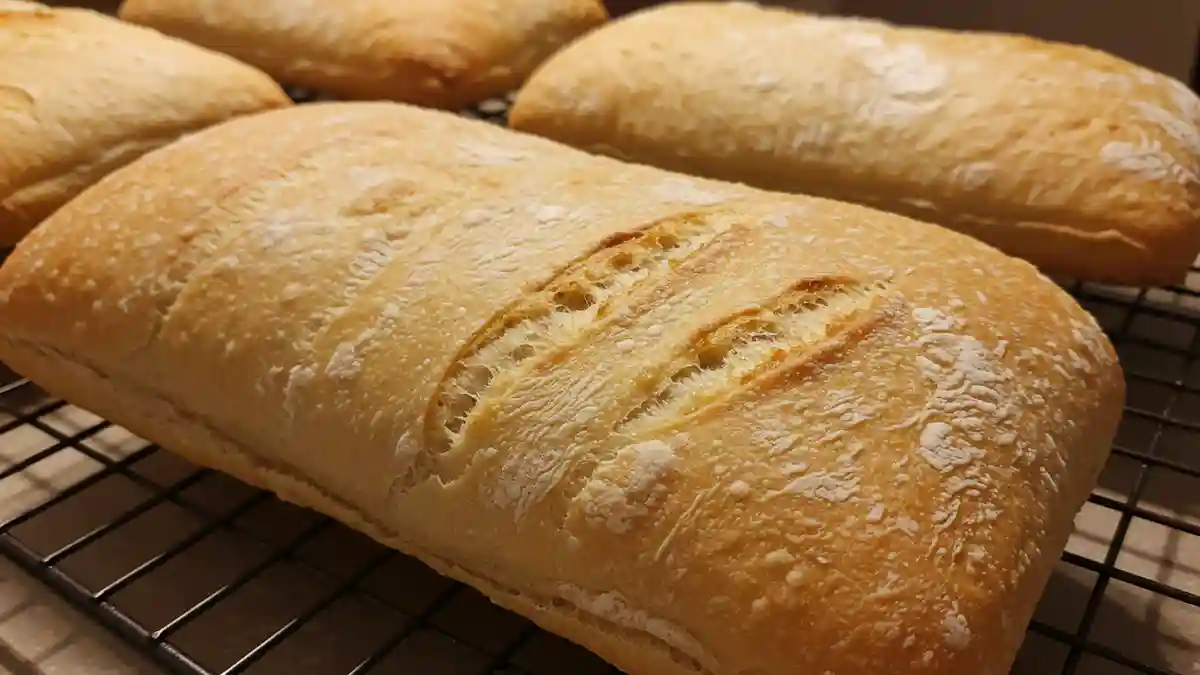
column 204, row 575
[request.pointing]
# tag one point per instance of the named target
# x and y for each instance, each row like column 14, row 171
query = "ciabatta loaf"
column 82, row 94
column 1076, row 160
column 695, row 427
column 437, row 53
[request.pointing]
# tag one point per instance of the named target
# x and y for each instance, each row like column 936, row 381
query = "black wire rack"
column 205, row 576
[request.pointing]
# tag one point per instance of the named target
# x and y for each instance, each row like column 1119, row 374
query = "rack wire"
column 207, row 576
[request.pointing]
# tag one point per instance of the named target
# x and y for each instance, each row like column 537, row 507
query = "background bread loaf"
column 82, row 94
column 444, row 54
column 1076, row 160
column 695, row 427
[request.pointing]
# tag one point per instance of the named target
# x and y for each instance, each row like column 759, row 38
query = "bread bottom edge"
column 159, row 421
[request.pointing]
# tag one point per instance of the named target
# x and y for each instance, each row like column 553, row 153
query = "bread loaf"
column 442, row 53
column 694, row 427
column 1073, row 159
column 82, row 94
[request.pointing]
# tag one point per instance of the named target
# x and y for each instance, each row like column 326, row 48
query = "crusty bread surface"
column 1078, row 161
column 82, row 94
column 443, row 54
column 695, row 427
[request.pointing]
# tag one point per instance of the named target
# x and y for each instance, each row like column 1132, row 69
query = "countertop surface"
column 39, row 633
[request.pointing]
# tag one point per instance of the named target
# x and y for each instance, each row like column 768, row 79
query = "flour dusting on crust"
column 967, row 399
column 629, row 485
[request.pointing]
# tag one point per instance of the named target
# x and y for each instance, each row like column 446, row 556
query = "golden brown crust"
column 446, row 54
column 695, row 427
column 1083, row 163
column 82, row 94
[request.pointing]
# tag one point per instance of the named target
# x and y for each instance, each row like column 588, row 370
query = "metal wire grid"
column 351, row 565
column 87, row 548
column 1157, row 333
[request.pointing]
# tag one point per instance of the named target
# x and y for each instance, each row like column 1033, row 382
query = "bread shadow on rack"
column 1156, row 333
column 223, row 567
column 19, row 396
column 1156, row 460
column 1122, row 622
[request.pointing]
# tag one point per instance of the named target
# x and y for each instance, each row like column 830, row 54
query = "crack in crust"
column 578, row 298
column 721, row 358
column 780, row 340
